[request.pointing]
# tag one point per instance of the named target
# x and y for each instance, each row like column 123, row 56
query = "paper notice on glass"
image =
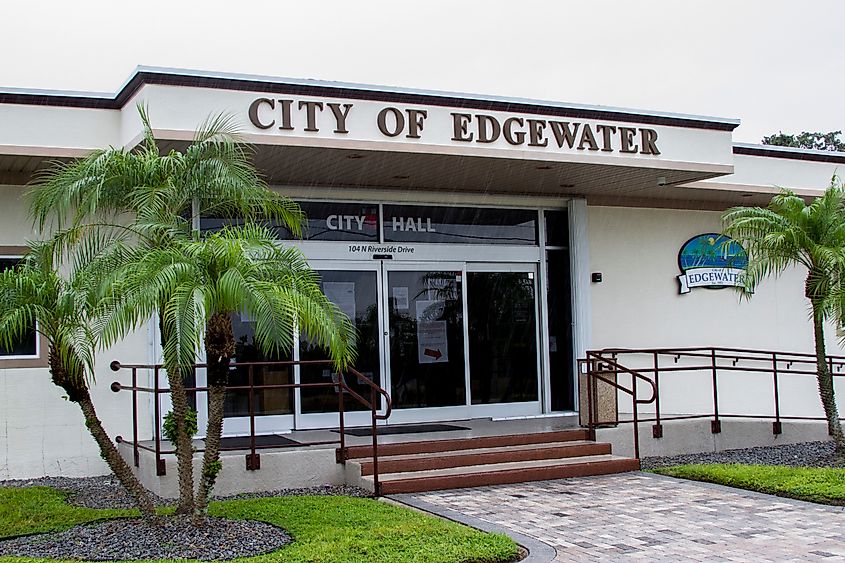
column 431, row 342
column 400, row 298
column 342, row 294
column 429, row 309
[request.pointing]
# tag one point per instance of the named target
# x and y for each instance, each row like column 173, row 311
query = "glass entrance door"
column 463, row 340
column 426, row 340
column 355, row 289
column 448, row 340
column 504, row 363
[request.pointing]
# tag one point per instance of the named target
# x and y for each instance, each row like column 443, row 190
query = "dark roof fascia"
column 792, row 154
column 140, row 78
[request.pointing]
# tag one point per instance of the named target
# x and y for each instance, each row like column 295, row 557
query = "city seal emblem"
column 713, row 261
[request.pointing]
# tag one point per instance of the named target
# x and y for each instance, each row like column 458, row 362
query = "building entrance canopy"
column 329, row 134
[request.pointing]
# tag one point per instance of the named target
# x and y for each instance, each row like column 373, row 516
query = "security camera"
column 661, row 181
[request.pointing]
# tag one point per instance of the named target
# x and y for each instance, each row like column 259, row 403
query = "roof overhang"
column 313, row 133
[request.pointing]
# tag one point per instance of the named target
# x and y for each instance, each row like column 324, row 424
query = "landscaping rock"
column 106, row 492
column 322, row 490
column 807, row 454
column 90, row 492
column 135, row 539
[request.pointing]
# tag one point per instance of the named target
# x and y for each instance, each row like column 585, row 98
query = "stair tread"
column 456, row 443
column 494, row 467
column 477, row 451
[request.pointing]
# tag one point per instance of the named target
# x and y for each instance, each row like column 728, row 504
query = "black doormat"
column 403, row 429
column 265, row 441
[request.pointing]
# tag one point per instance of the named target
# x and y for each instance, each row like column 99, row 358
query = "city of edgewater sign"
column 713, row 261
column 440, row 125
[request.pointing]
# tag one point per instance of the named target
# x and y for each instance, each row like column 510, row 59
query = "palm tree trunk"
column 113, row 458
column 825, row 383
column 211, row 458
column 184, row 442
column 219, row 349
column 77, row 392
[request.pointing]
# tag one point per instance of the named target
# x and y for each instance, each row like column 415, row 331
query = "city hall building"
column 481, row 245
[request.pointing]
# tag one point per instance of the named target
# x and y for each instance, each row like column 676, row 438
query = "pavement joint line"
column 538, row 551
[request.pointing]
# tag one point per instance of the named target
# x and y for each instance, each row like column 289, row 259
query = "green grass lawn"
column 325, row 529
column 822, row 485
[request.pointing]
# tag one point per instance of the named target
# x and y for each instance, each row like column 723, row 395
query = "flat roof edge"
column 774, row 151
column 218, row 80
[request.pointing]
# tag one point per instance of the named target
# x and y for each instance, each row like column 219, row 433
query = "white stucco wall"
column 40, row 432
column 638, row 305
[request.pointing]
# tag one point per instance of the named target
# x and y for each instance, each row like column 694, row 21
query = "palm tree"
column 202, row 282
column 162, row 196
column 787, row 233
column 34, row 294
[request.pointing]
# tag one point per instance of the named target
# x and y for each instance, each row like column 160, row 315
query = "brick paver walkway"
column 637, row 516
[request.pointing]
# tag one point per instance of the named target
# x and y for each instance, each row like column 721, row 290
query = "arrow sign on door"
column 436, row 354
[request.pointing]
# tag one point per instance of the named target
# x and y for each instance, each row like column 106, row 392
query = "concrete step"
column 483, row 456
column 500, row 473
column 451, row 444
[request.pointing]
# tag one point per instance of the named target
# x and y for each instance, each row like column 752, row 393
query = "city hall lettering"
column 473, row 128
column 357, row 222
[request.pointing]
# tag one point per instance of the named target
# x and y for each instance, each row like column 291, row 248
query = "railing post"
column 777, row 427
column 253, row 462
column 340, row 457
column 591, row 414
column 715, row 424
column 161, row 469
column 657, row 429
column 135, row 454
column 376, row 483
column 636, row 417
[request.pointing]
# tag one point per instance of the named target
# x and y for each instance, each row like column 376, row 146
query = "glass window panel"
column 265, row 401
column 426, row 339
column 557, row 228
column 460, row 225
column 26, row 346
column 561, row 362
column 355, row 293
column 502, row 337
column 324, row 221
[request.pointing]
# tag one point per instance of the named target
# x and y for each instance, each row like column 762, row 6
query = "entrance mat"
column 265, row 441
column 403, row 429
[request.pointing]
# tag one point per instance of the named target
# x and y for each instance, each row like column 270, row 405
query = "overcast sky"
column 773, row 64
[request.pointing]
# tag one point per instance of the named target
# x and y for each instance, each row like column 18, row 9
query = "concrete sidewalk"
column 645, row 517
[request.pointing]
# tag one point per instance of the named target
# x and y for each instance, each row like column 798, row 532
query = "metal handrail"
column 253, row 459
column 592, row 399
column 718, row 359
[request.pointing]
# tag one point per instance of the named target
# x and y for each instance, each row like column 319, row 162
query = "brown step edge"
column 447, row 444
column 509, row 476
column 459, row 458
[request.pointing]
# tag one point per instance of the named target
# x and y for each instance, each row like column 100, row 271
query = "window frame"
column 39, row 359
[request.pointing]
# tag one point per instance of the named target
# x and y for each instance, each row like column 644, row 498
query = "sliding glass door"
column 463, row 340
column 426, row 343
column 502, row 328
column 355, row 289
column 502, row 337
